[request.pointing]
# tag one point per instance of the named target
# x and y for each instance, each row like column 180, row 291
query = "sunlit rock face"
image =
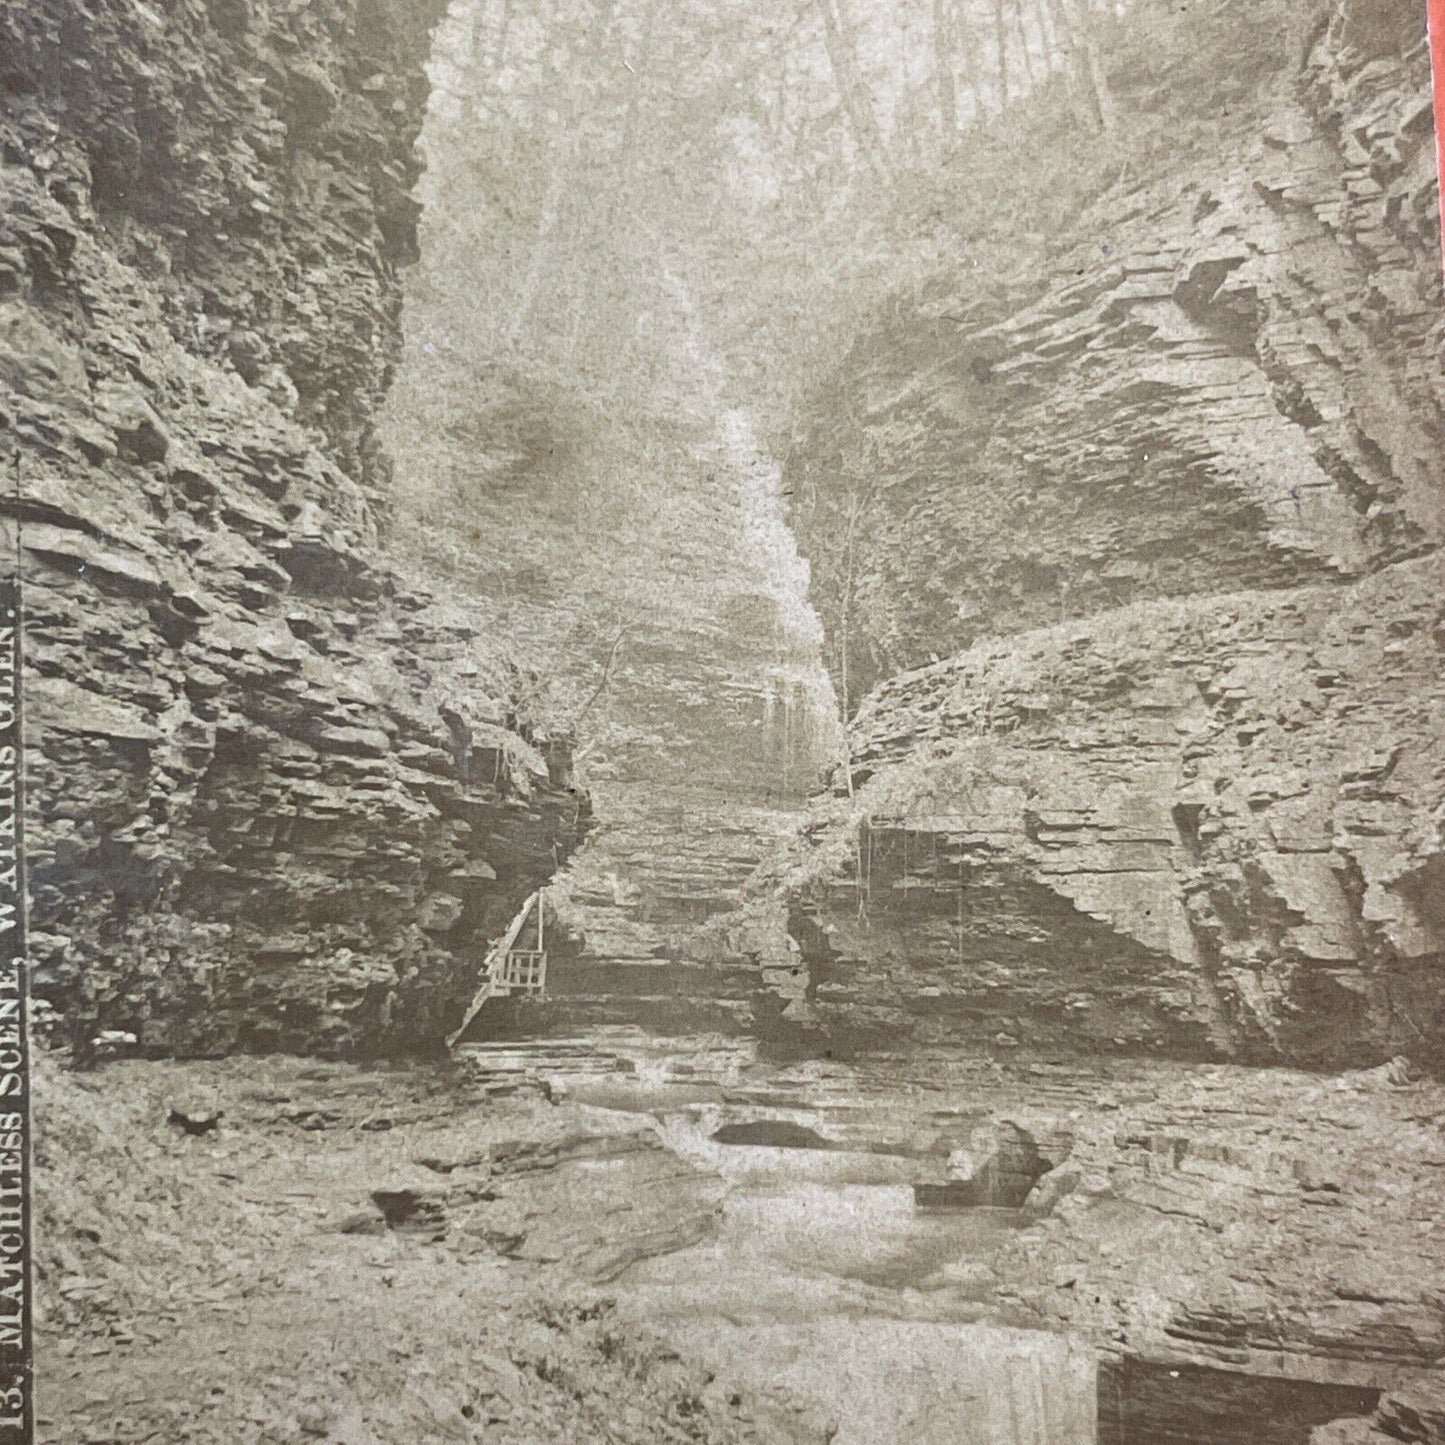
column 1225, row 378
column 279, row 794
column 1192, row 827
column 626, row 527
column 1181, row 791
column 723, row 725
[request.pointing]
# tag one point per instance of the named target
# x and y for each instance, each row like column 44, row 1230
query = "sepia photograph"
column 722, row 722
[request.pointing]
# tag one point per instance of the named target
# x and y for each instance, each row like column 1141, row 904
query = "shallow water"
column 797, row 1288
column 865, row 1232
column 887, row 1381
column 824, row 1282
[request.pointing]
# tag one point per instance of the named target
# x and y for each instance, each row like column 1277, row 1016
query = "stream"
column 825, row 1280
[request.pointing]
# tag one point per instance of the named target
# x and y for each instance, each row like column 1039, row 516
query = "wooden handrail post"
column 1435, row 24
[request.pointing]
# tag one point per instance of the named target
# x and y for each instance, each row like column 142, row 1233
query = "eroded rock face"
column 1195, row 827
column 279, row 795
column 1183, row 791
column 1413, row 1412
column 1232, row 382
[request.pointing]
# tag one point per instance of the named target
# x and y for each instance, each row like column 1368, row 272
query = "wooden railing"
column 508, row 969
column 524, row 970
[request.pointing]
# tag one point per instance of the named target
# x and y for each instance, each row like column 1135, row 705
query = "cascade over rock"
column 624, row 524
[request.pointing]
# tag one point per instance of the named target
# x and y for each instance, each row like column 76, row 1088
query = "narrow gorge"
column 909, row 535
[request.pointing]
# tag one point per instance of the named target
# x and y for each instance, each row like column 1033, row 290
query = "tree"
column 1000, row 40
column 567, row 150
column 1025, row 51
column 1078, row 23
column 840, row 35
column 944, row 36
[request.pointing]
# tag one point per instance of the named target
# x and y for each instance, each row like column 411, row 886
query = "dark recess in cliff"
column 281, row 795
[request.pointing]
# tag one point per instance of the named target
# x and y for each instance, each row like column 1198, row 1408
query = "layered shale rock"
column 1413, row 1412
column 1232, row 382
column 1205, row 826
column 280, row 796
column 1183, row 790
column 1256, row 1220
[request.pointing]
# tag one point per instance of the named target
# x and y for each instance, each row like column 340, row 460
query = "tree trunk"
column 1028, row 60
column 541, row 245
column 971, row 75
column 601, row 229
column 1000, row 35
column 943, row 39
column 563, row 166
column 1075, row 24
column 779, row 127
column 1048, row 38
column 838, row 37
column 497, row 51
column 479, row 29
column 1104, row 107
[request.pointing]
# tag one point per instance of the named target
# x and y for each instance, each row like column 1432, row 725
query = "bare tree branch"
column 606, row 677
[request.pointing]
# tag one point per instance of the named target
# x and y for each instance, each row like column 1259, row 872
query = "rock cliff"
column 1181, row 790
column 625, row 524
column 280, row 795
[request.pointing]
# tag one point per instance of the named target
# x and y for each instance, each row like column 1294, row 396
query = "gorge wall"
column 568, row 451
column 280, row 794
column 1176, row 519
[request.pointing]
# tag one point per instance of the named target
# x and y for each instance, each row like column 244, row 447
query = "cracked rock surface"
column 1181, row 789
column 281, row 794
